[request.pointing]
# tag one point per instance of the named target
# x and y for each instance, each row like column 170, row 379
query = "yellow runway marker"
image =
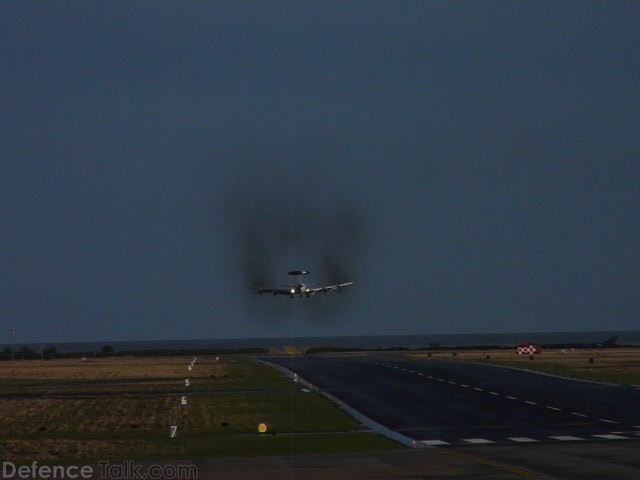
column 483, row 461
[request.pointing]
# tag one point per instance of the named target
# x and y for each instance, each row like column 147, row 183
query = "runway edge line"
column 360, row 417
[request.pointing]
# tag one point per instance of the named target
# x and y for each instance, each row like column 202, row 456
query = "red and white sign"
column 528, row 349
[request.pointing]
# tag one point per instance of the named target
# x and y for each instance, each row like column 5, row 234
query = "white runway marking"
column 608, row 421
column 530, row 402
column 430, row 377
column 421, row 374
column 478, row 389
column 611, row 437
column 565, row 438
column 578, row 414
column 435, row 442
column 440, row 380
column 511, row 398
column 494, row 393
column 554, row 408
column 477, row 440
column 452, row 383
column 523, row 439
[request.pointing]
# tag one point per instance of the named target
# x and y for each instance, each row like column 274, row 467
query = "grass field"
column 136, row 375
column 37, row 421
column 612, row 365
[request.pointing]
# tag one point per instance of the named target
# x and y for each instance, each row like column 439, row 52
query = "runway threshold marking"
column 435, row 442
column 477, row 440
column 564, row 438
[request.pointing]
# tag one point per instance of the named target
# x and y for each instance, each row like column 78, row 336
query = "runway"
column 454, row 403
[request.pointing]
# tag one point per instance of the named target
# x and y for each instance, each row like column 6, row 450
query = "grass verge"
column 123, row 426
column 70, row 450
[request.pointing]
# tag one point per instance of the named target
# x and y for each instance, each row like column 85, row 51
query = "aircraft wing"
column 275, row 291
column 331, row 288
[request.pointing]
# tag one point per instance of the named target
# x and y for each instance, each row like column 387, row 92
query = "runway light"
column 262, row 428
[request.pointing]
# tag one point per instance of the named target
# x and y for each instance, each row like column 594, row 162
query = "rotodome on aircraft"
column 301, row 289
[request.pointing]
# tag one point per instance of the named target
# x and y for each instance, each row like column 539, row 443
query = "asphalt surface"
column 457, row 403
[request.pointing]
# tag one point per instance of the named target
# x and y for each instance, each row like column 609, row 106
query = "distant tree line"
column 29, row 353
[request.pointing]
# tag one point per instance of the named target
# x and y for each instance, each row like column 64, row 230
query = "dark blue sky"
column 472, row 166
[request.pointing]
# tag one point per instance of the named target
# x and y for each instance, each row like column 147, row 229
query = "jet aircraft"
column 301, row 289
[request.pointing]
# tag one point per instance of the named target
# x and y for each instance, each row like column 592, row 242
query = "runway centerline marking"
column 452, row 383
column 510, row 397
column 554, row 408
column 565, row 438
column 494, row 393
column 578, row 414
column 530, row 402
column 478, row 389
column 464, row 386
column 608, row 421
